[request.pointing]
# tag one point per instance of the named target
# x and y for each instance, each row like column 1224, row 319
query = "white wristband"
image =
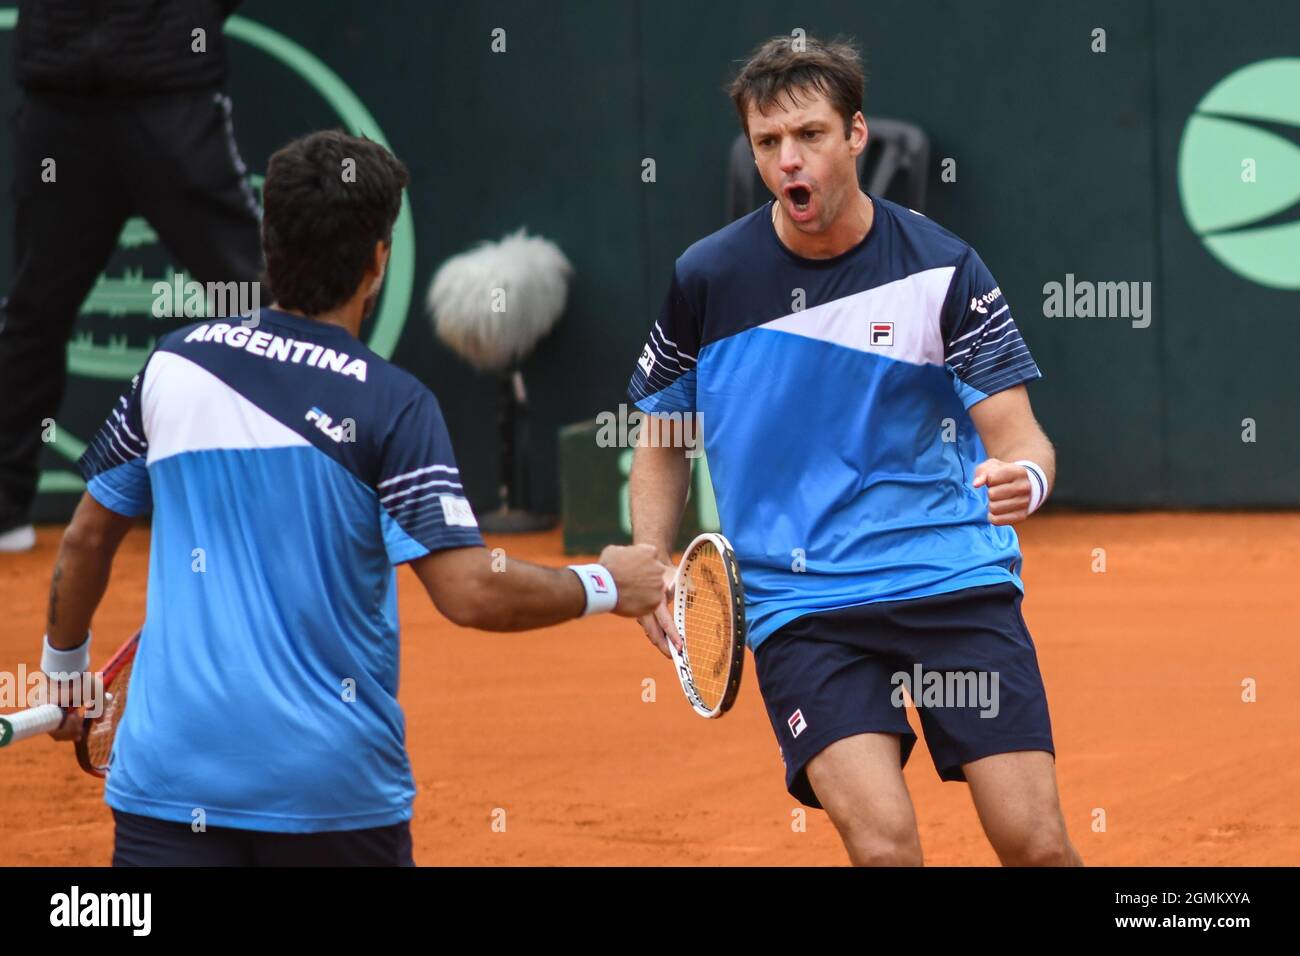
column 1037, row 484
column 65, row 665
column 602, row 594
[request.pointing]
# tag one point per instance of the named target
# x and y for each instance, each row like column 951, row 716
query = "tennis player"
column 289, row 469
column 860, row 387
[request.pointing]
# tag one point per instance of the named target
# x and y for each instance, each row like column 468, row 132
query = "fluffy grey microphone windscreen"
column 493, row 304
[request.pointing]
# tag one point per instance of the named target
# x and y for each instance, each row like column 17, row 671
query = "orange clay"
column 1144, row 667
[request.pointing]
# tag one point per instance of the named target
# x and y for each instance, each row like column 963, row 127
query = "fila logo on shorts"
column 797, row 724
column 882, row 333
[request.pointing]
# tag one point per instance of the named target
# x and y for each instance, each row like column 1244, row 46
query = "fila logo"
column 339, row 432
column 882, row 333
column 599, row 584
column 647, row 360
column 797, row 724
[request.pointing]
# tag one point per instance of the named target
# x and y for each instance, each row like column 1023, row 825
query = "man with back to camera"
column 851, row 362
column 237, row 438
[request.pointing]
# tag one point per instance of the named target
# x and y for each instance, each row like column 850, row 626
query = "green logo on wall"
column 131, row 293
column 1239, row 172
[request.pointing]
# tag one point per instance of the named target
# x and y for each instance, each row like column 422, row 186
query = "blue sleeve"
column 115, row 462
column 664, row 378
column 422, row 501
column 982, row 346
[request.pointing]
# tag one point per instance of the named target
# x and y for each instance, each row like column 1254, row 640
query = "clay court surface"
column 1144, row 667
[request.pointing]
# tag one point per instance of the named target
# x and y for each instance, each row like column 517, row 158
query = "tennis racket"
column 29, row 723
column 96, row 743
column 97, row 733
column 709, row 611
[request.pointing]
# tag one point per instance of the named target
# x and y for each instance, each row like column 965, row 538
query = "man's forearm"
column 520, row 596
column 489, row 590
column 657, row 491
column 81, row 570
column 79, row 581
column 1006, row 426
column 1036, row 448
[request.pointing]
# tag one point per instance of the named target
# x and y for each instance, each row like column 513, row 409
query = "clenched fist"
column 1009, row 490
column 639, row 577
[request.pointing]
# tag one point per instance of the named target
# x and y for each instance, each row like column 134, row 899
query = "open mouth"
column 800, row 196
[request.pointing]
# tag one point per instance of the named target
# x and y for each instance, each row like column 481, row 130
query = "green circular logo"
column 1239, row 172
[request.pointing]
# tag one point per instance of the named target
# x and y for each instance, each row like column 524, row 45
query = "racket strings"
column 103, row 729
column 708, row 620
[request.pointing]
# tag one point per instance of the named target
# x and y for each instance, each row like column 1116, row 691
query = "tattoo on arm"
column 54, row 593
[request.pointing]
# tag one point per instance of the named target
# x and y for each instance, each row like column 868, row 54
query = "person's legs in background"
column 172, row 159
column 69, row 207
column 187, row 179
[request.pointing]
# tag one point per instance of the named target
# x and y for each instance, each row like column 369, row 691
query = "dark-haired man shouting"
column 860, row 386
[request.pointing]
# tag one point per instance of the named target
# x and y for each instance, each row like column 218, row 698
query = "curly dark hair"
column 328, row 198
column 783, row 65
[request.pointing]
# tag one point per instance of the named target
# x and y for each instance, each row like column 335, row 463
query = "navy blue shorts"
column 145, row 841
column 833, row 674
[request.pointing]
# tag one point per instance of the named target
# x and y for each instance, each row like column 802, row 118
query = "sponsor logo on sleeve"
column 978, row 303
column 457, row 512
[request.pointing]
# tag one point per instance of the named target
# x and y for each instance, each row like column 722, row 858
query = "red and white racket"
column 98, row 732
column 95, row 747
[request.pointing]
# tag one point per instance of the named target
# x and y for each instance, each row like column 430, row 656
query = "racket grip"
column 29, row 723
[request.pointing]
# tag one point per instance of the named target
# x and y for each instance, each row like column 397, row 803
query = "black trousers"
column 144, row 841
column 169, row 158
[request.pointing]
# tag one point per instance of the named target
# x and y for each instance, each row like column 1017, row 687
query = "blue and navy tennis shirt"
column 825, row 390
column 289, row 469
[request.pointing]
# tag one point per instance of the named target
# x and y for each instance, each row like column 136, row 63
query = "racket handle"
column 29, row 723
